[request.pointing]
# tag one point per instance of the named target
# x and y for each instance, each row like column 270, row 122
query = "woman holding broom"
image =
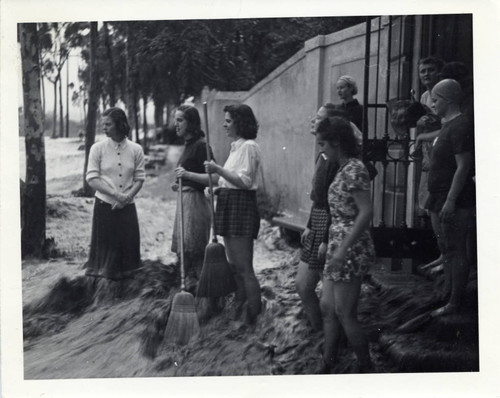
column 197, row 211
column 237, row 218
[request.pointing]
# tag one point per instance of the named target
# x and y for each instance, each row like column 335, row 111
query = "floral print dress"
column 353, row 176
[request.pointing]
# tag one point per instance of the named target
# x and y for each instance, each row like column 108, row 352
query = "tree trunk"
column 61, row 113
column 33, row 200
column 92, row 110
column 54, row 121
column 145, row 123
column 131, row 108
column 67, row 98
column 111, row 78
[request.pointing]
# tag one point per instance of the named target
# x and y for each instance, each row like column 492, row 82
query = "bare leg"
column 240, row 254
column 346, row 308
column 306, row 282
column 455, row 232
column 437, row 228
column 331, row 324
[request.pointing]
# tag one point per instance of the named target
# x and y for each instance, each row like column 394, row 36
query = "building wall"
column 286, row 100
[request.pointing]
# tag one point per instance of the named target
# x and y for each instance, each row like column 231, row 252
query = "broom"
column 182, row 323
column 216, row 279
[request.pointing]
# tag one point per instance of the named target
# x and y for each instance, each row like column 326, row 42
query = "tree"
column 93, row 100
column 34, row 201
column 54, row 59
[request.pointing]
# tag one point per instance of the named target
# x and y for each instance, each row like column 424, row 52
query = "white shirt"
column 117, row 164
column 244, row 160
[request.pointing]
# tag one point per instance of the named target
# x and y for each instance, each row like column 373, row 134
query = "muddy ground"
column 72, row 330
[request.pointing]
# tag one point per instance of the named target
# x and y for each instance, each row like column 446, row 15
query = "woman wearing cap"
column 236, row 216
column 350, row 250
column 116, row 172
column 451, row 189
column 191, row 169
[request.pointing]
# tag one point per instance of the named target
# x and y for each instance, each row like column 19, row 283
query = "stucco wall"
column 286, row 100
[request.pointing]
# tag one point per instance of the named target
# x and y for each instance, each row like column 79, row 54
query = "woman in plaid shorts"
column 236, row 216
column 316, row 232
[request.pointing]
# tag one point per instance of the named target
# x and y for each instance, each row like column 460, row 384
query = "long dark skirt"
column 115, row 243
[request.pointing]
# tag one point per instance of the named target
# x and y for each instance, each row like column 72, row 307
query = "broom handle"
column 210, row 185
column 181, row 233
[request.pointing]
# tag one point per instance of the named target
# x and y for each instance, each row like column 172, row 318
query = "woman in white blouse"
column 116, row 172
column 237, row 216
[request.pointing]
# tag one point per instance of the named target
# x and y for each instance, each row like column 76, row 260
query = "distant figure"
column 237, row 216
column 197, row 213
column 116, row 173
column 81, row 135
column 428, row 128
column 347, row 88
column 451, row 190
column 350, row 251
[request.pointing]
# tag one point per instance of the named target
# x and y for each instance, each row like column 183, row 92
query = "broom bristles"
column 216, row 279
column 183, row 324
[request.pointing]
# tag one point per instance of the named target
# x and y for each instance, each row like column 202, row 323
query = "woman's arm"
column 200, row 178
column 230, row 176
column 99, row 185
column 464, row 163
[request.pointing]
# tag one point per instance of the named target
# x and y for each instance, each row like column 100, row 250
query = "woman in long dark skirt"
column 116, row 173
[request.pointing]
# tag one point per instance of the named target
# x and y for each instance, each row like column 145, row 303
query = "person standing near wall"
column 350, row 250
column 428, row 128
column 197, row 218
column 316, row 232
column 451, row 190
column 236, row 216
column 347, row 88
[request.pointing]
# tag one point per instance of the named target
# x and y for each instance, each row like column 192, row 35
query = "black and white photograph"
column 240, row 199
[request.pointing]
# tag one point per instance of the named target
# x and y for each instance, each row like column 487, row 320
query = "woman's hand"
column 447, row 211
column 175, row 187
column 322, row 252
column 212, row 167
column 181, row 172
column 304, row 236
column 336, row 261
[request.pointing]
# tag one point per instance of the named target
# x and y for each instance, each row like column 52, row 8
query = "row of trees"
column 158, row 62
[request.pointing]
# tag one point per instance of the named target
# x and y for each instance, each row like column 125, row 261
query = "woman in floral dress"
column 350, row 250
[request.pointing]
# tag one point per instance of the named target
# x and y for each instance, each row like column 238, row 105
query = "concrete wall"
column 285, row 101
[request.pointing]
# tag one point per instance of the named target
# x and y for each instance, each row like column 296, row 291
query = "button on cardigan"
column 118, row 164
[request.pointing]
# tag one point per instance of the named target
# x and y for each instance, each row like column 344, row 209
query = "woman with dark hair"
column 350, row 250
column 116, row 173
column 237, row 217
column 191, row 169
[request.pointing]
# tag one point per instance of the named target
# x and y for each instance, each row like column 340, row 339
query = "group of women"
column 337, row 246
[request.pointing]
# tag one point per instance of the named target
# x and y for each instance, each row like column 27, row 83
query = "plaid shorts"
column 236, row 213
column 319, row 227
